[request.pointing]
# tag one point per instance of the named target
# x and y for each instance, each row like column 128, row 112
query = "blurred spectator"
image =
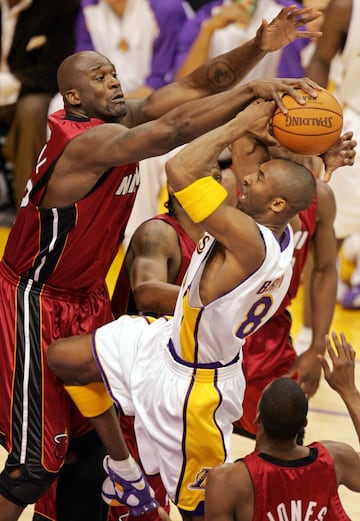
column 139, row 36
column 349, row 271
column 36, row 35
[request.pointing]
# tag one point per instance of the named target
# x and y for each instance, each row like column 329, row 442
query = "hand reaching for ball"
column 276, row 89
column 255, row 121
column 342, row 153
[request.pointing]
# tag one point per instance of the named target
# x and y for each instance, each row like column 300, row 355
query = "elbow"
column 173, row 172
column 143, row 298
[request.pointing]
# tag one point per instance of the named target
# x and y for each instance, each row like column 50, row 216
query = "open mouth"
column 241, row 193
column 118, row 98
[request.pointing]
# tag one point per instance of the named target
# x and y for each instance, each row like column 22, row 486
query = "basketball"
column 309, row 129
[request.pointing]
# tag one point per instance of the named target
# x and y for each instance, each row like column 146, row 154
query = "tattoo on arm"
column 221, row 75
column 152, row 245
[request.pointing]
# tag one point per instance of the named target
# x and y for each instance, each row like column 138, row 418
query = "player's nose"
column 114, row 82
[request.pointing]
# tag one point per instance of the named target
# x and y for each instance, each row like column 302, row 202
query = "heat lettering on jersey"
column 129, row 183
column 298, row 511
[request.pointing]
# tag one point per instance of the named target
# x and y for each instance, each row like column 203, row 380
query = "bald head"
column 90, row 88
column 71, row 69
column 296, row 185
column 292, row 182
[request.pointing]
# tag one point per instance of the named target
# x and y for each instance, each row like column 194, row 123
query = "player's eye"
column 260, row 176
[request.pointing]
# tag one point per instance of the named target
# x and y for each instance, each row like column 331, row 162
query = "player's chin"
column 241, row 205
column 117, row 110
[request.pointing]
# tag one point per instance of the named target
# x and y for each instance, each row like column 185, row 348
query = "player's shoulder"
column 338, row 451
column 232, row 477
column 156, row 232
column 155, row 225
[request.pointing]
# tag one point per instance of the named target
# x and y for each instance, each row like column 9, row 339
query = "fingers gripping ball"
column 309, row 129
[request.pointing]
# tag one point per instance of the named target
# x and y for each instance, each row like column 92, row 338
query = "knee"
column 61, row 362
column 23, row 488
column 71, row 360
column 54, row 358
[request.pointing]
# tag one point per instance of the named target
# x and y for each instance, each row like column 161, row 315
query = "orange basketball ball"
column 309, row 129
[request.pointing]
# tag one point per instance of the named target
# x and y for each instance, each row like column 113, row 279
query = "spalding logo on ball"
column 309, row 129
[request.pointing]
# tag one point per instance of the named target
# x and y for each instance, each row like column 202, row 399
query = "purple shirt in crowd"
column 170, row 16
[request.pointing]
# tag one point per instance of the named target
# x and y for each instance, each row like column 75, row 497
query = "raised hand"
column 255, row 119
column 283, row 29
column 341, row 154
column 307, row 371
column 341, row 377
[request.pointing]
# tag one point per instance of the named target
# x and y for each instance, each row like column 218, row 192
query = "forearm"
column 156, row 297
column 225, row 70
column 202, row 83
column 351, row 399
column 193, row 119
column 198, row 157
column 322, row 300
column 108, row 428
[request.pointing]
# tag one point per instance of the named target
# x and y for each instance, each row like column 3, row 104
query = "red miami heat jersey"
column 52, row 286
column 44, row 242
column 302, row 243
column 300, row 489
column 122, row 301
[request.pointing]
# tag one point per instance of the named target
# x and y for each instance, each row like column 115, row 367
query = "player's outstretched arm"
column 208, row 203
column 224, row 71
column 322, row 289
column 341, row 377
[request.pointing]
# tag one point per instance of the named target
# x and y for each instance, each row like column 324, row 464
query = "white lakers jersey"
column 214, row 333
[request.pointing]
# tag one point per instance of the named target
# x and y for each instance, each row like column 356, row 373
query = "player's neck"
column 281, row 449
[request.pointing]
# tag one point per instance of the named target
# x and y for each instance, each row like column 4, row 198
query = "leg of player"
column 125, row 483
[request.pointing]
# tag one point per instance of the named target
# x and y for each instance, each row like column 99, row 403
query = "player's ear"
column 72, row 96
column 278, row 204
